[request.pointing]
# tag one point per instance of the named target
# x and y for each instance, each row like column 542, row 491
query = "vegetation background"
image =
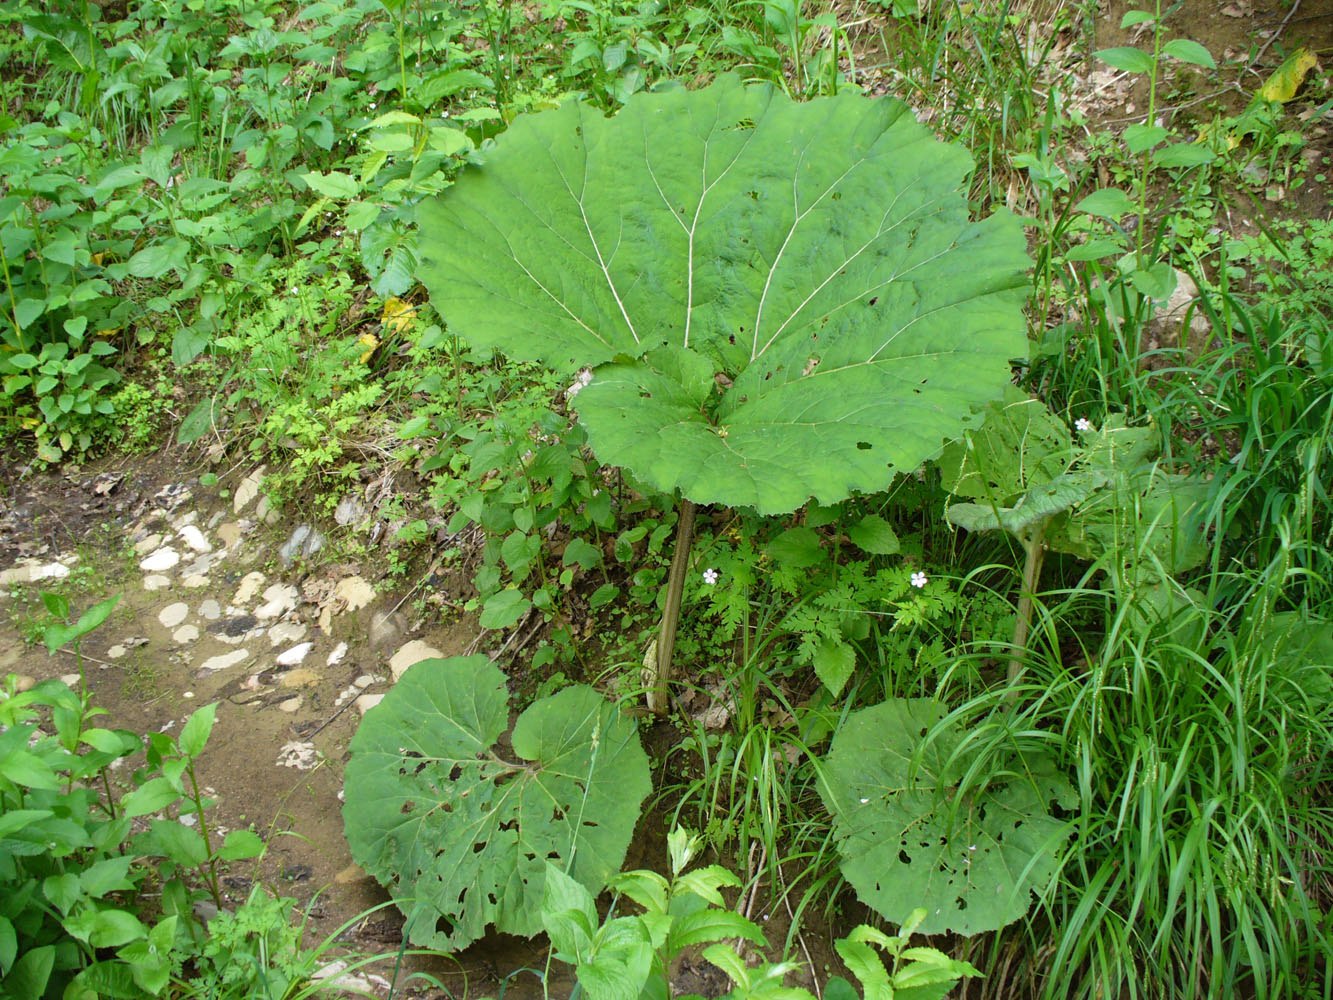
column 209, row 242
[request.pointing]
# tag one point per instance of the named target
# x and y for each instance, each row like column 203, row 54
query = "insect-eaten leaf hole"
column 863, row 446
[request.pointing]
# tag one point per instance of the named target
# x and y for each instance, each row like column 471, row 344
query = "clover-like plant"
column 778, row 301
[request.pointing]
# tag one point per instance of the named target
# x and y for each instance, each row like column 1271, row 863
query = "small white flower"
column 1083, row 425
column 919, row 580
column 864, row 801
column 710, row 576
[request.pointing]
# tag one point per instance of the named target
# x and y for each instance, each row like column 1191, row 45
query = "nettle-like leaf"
column 909, row 832
column 462, row 837
column 779, row 301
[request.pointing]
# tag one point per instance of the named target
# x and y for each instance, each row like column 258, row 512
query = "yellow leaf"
column 398, row 315
column 110, row 331
column 1281, row 87
column 370, row 342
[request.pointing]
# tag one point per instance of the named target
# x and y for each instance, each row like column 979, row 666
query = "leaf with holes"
column 460, row 835
column 906, row 834
column 779, row 300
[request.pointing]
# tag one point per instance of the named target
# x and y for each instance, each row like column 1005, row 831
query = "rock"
column 286, row 632
column 30, row 571
column 355, row 592
column 367, row 701
column 301, row 677
column 194, row 582
column 266, row 512
column 229, row 534
column 247, row 490
column 350, row 511
column 22, row 682
column 116, row 652
column 250, row 584
column 386, row 630
column 291, row 704
column 351, row 875
column 147, row 545
column 201, row 566
column 303, row 543
column 278, row 600
column 336, row 657
column 185, row 635
column 224, row 660
column 210, row 610
column 301, row 755
column 156, row 582
column 194, row 538
column 364, row 681
column 173, row 614
column 163, row 559
column 71, row 681
column 412, row 653
column 292, row 657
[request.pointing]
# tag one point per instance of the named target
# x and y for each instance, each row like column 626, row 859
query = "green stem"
column 211, row 864
column 666, row 642
column 1036, row 551
column 1152, row 118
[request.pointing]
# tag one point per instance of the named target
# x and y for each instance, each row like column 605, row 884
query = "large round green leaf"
column 461, row 836
column 910, row 838
column 781, row 300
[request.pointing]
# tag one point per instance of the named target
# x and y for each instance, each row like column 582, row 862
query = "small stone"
column 229, row 534
column 386, row 629
column 367, row 701
column 190, row 517
column 291, row 704
column 351, row 875
column 210, row 610
column 194, row 582
column 350, row 511
column 414, row 652
column 116, row 652
column 292, row 657
column 156, row 582
column 163, row 559
column 187, row 694
column 200, row 566
column 364, row 681
column 224, row 660
column 355, row 592
column 301, row 755
column 147, row 545
column 301, row 677
column 247, row 490
column 303, row 542
column 70, row 680
column 173, row 614
column 250, row 584
column 336, row 657
column 22, row 682
column 285, row 632
column 278, row 600
column 16, row 574
column 185, row 635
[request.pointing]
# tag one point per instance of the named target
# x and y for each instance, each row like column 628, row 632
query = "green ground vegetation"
column 1101, row 615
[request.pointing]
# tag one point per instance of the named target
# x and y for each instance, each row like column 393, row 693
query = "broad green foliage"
column 1103, row 496
column 462, row 837
column 911, row 827
column 780, row 300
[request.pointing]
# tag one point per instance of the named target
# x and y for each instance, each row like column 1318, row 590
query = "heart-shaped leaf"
column 907, row 833
column 460, row 836
column 780, row 300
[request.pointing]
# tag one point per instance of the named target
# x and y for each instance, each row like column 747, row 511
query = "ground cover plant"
column 984, row 591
